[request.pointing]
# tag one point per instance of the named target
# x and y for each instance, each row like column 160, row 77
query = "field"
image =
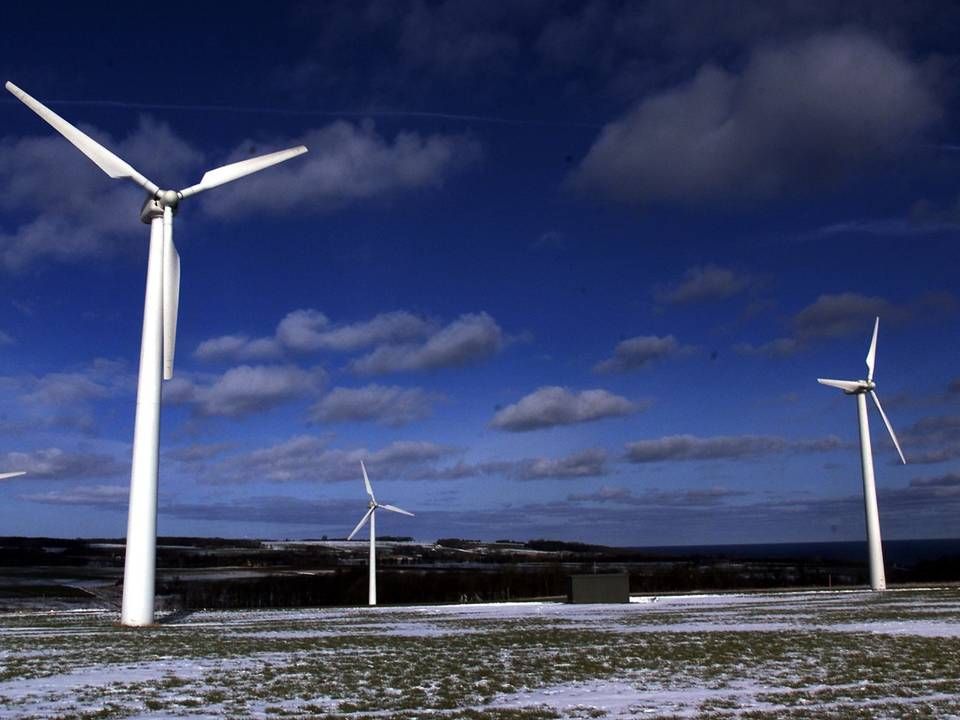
column 847, row 654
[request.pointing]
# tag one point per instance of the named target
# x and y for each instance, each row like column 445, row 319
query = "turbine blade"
column 234, row 171
column 171, row 293
column 893, row 435
column 872, row 352
column 18, row 473
column 845, row 385
column 366, row 481
column 103, row 158
column 363, row 521
column 394, row 508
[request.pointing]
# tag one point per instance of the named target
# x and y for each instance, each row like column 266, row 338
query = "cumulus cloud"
column 841, row 315
column 468, row 339
column 932, row 439
column 701, row 284
column 798, row 115
column 387, row 405
column 551, row 406
column 70, row 210
column 239, row 347
column 58, row 464
column 66, row 399
column 638, row 352
column 245, row 389
column 307, row 458
column 309, row 330
column 347, row 162
column 722, row 447
column 586, row 463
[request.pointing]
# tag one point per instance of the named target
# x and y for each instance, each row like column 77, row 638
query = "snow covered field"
column 774, row 655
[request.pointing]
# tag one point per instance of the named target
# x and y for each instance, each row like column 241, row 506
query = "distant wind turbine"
column 861, row 388
column 371, row 515
column 160, row 307
column 18, row 473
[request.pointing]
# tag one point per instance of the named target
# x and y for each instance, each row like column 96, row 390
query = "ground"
column 847, row 654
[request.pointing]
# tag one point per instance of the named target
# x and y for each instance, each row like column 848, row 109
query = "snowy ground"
column 775, row 655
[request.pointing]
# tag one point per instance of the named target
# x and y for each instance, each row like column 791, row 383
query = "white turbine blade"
column 893, row 435
column 394, row 508
column 4, row 476
column 845, row 385
column 233, row 171
column 103, row 158
column 171, row 293
column 872, row 352
column 366, row 481
column 363, row 521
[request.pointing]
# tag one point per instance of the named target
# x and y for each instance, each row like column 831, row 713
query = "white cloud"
column 239, row 347
column 245, row 389
column 722, row 447
column 308, row 330
column 703, row 283
column 388, row 405
column 307, row 458
column 66, row 207
column 586, row 463
column 470, row 338
column 56, row 463
column 103, row 496
column 800, row 114
column 66, row 399
column 551, row 406
column 347, row 163
column 638, row 352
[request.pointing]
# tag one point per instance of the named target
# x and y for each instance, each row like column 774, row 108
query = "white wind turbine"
column 861, row 388
column 8, row 475
column 160, row 306
column 371, row 515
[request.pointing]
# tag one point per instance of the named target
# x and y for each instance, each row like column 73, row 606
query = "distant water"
column 906, row 553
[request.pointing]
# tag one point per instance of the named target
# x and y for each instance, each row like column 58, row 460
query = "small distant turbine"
column 160, row 307
column 18, row 473
column 372, row 517
column 861, row 388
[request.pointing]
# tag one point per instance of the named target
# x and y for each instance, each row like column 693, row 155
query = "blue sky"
column 561, row 270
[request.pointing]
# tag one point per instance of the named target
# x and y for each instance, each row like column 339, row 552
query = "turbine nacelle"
column 868, row 386
column 849, row 387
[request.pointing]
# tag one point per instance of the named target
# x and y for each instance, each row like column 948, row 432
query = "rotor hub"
column 153, row 206
column 168, row 198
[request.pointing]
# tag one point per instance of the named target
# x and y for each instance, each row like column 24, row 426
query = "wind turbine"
column 160, row 306
column 861, row 388
column 7, row 475
column 371, row 515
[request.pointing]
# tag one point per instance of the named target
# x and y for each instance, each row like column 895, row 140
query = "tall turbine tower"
column 372, row 517
column 160, row 306
column 861, row 388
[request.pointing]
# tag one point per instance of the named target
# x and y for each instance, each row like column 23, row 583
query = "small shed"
column 601, row 588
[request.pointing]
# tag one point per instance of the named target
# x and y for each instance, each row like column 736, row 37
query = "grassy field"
column 788, row 655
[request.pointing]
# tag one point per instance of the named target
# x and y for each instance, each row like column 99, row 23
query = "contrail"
column 309, row 112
